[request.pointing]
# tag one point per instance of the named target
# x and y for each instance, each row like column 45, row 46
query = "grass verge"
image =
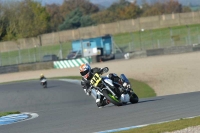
column 166, row 127
column 8, row 113
column 141, row 89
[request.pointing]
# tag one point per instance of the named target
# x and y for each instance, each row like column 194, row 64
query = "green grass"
column 8, row 113
column 141, row 89
column 166, row 127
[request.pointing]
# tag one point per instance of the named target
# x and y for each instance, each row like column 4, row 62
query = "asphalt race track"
column 64, row 108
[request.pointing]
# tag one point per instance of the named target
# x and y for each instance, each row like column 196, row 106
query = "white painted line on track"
column 133, row 127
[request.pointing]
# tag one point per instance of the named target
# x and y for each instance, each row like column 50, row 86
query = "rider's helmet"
column 41, row 75
column 85, row 70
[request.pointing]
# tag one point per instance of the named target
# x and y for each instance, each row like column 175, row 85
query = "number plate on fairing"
column 95, row 80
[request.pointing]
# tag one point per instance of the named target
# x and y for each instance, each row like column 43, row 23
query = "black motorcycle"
column 111, row 90
column 44, row 82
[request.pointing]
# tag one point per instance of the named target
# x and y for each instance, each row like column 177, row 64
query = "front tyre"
column 133, row 98
column 111, row 98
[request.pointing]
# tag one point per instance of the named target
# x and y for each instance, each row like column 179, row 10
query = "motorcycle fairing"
column 108, row 81
column 125, row 98
column 43, row 80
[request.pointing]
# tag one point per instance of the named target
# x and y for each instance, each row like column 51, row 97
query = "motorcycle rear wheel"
column 45, row 85
column 111, row 98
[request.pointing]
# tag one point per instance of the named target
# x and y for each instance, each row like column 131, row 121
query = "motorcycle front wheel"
column 116, row 101
column 134, row 98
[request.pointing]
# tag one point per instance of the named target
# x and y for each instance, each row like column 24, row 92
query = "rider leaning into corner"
column 87, row 73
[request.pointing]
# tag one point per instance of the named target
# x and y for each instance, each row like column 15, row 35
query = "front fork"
column 94, row 93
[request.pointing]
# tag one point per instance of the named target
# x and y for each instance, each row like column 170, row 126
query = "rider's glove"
column 87, row 91
column 83, row 84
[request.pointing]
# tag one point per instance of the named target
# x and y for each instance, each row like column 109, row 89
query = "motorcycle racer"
column 87, row 73
column 42, row 76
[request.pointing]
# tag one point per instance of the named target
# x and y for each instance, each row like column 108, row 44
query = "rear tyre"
column 111, row 98
column 133, row 98
column 45, row 85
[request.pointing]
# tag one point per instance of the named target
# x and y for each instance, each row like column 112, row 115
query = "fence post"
column 152, row 41
column 140, row 40
column 132, row 38
column 158, row 41
column 171, row 34
column 0, row 59
column 19, row 54
column 29, row 55
column 186, row 40
column 9, row 57
column 35, row 53
column 61, row 53
column 189, row 36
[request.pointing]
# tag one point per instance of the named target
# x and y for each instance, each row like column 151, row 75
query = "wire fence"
column 125, row 42
column 35, row 54
column 163, row 38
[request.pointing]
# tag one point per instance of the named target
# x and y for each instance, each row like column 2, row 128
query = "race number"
column 95, row 80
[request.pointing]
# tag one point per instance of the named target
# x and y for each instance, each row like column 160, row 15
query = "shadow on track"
column 152, row 100
column 53, row 86
column 142, row 101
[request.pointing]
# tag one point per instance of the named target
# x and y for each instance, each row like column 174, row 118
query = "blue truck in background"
column 100, row 47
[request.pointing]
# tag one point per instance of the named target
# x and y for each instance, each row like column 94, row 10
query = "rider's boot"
column 101, row 101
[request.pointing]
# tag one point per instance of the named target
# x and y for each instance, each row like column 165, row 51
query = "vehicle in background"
column 51, row 57
column 74, row 55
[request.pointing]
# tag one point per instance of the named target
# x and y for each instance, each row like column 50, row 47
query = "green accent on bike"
column 113, row 97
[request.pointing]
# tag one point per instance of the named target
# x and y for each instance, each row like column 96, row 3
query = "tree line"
column 28, row 18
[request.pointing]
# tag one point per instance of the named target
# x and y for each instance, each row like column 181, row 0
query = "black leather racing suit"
column 85, row 83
